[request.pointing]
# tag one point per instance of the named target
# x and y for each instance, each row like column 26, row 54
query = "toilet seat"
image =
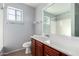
column 26, row 44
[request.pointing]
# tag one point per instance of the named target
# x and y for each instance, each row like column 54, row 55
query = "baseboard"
column 13, row 51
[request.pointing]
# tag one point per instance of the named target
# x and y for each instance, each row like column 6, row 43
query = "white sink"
column 47, row 41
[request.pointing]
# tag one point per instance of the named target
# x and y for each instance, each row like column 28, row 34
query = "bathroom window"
column 46, row 24
column 14, row 15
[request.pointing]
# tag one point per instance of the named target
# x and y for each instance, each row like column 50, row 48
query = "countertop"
column 69, row 47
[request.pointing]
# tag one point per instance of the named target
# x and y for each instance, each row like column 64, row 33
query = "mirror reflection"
column 57, row 19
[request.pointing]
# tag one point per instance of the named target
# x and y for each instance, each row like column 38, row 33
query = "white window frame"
column 46, row 23
column 48, row 18
column 15, row 21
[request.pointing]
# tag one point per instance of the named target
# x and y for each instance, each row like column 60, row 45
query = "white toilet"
column 27, row 45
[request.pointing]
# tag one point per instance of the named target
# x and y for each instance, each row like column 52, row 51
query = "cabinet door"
column 33, row 47
column 50, row 51
column 39, row 48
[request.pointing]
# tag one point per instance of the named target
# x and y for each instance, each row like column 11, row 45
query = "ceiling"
column 33, row 4
column 58, row 8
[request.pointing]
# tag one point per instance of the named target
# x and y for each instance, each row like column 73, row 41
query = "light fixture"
column 37, row 22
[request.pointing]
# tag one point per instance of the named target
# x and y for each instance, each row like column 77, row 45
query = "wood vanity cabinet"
column 37, row 48
column 40, row 49
column 50, row 51
column 62, row 54
column 33, row 45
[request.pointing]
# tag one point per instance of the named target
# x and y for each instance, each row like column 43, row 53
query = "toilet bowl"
column 27, row 45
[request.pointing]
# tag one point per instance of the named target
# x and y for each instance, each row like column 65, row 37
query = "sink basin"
column 47, row 41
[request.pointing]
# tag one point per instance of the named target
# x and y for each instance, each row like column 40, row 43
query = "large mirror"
column 57, row 19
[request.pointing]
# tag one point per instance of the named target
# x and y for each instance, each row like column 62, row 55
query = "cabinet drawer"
column 50, row 51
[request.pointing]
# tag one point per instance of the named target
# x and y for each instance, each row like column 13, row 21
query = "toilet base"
column 28, row 50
